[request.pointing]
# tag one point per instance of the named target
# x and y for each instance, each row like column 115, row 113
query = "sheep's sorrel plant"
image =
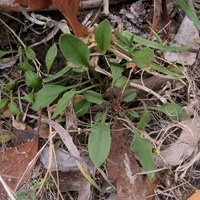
column 99, row 64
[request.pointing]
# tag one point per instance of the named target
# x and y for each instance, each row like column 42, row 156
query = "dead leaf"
column 69, row 181
column 184, row 37
column 77, row 98
column 154, row 83
column 44, row 131
column 84, row 193
column 8, row 62
column 67, row 140
column 6, row 113
column 195, row 196
column 70, row 9
column 18, row 125
column 122, row 167
column 63, row 160
column 28, row 5
column 184, row 146
column 21, row 137
column 13, row 164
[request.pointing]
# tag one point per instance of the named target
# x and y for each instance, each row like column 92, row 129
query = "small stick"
column 106, row 7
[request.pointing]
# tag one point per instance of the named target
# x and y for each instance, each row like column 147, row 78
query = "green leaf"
column 29, row 97
column 99, row 143
column 25, row 65
column 154, row 45
column 81, row 107
column 99, row 116
column 176, row 69
column 116, row 72
column 57, row 75
column 30, row 191
column 143, row 150
column 50, row 57
column 173, row 111
column 128, row 96
column 143, row 57
column 3, row 53
column 47, row 95
column 80, row 69
column 74, row 50
column 3, row 103
column 62, row 103
column 123, row 39
column 103, row 36
column 144, row 120
column 32, row 79
column 93, row 97
column 121, row 82
column 189, row 13
column 30, row 54
column 13, row 108
column 133, row 113
column 8, row 87
column 166, row 71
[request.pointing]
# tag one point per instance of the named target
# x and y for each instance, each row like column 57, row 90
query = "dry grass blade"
column 7, row 188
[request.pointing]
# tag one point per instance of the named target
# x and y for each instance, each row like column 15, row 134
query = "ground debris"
column 16, row 164
column 123, row 167
column 184, row 147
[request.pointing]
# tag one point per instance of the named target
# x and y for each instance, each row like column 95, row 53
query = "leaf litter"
column 185, row 145
column 121, row 178
column 17, row 163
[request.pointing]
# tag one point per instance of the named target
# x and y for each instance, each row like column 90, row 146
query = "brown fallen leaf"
column 154, row 83
column 122, row 167
column 21, row 137
column 195, row 196
column 75, row 181
column 69, row 9
column 29, row 5
column 13, row 164
column 18, row 125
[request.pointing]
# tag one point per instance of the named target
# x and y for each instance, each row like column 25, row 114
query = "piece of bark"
column 160, row 15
